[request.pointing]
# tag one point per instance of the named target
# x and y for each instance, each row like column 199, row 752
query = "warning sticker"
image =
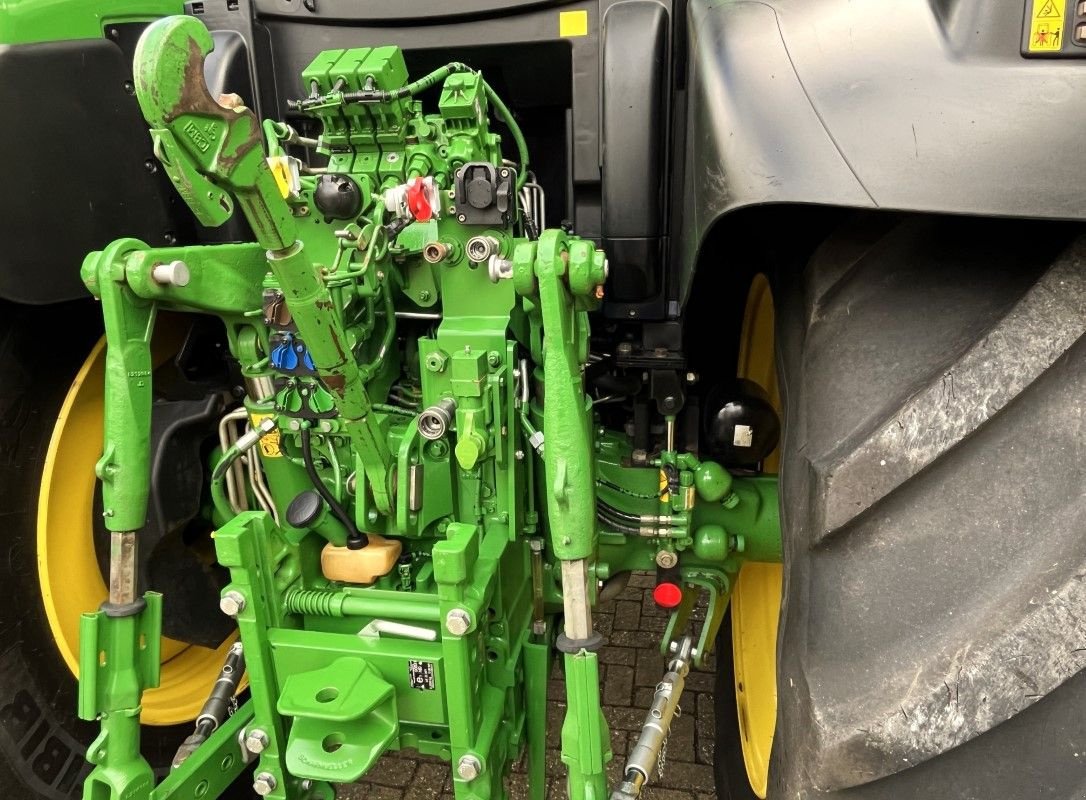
column 269, row 442
column 1046, row 26
column 421, row 675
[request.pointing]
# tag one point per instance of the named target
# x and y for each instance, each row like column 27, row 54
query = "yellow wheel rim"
column 71, row 582
column 756, row 599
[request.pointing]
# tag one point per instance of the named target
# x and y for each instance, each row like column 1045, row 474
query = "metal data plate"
column 1054, row 29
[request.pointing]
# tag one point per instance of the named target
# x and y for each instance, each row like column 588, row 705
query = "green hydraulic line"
column 385, row 408
column 518, row 136
column 367, row 371
column 218, row 476
column 219, row 499
column 375, row 95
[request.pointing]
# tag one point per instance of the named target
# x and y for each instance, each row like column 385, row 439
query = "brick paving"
column 630, row 667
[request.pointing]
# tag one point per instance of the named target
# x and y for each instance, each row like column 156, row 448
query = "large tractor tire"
column 933, row 483
column 50, row 437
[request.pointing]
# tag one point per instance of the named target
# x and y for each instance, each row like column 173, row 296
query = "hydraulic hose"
column 367, row 371
column 518, row 136
column 410, row 89
column 614, row 512
column 244, row 443
column 356, row 539
column 618, row 526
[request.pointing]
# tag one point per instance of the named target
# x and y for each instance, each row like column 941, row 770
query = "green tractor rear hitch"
column 407, row 343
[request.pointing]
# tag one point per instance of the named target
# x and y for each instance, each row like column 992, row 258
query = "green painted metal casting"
column 415, row 351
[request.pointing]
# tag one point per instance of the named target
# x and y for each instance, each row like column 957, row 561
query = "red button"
column 667, row 595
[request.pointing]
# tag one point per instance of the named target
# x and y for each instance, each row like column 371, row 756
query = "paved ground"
column 630, row 669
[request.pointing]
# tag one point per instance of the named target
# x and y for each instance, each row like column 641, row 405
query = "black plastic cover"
column 634, row 101
column 92, row 177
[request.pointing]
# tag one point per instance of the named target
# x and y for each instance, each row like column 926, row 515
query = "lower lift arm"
column 119, row 644
column 563, row 275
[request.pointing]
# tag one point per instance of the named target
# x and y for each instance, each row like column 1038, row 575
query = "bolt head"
column 232, row 603
column 666, row 559
column 457, row 622
column 264, row 784
column 256, row 741
column 469, row 768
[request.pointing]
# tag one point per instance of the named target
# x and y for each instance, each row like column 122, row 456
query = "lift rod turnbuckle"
column 646, row 753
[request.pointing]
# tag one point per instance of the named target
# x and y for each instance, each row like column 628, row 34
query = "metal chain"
column 662, row 760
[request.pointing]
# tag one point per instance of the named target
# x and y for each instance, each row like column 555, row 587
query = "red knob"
column 667, row 594
column 417, row 201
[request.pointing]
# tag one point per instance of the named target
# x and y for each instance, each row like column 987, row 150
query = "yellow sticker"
column 269, row 442
column 285, row 171
column 1046, row 26
column 573, row 23
column 279, row 171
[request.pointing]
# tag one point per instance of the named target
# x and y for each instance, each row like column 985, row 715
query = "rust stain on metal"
column 339, row 348
column 335, row 383
column 195, row 99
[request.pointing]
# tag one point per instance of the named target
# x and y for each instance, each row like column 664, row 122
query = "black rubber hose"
column 614, row 586
column 356, row 540
column 616, row 525
column 623, row 515
column 625, row 491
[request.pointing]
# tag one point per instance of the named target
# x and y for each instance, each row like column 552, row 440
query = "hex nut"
column 256, row 741
column 666, row 559
column 232, row 603
column 469, row 768
column 436, row 361
column 264, row 784
column 457, row 622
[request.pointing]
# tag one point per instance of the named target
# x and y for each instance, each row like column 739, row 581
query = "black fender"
column 80, row 171
column 917, row 105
